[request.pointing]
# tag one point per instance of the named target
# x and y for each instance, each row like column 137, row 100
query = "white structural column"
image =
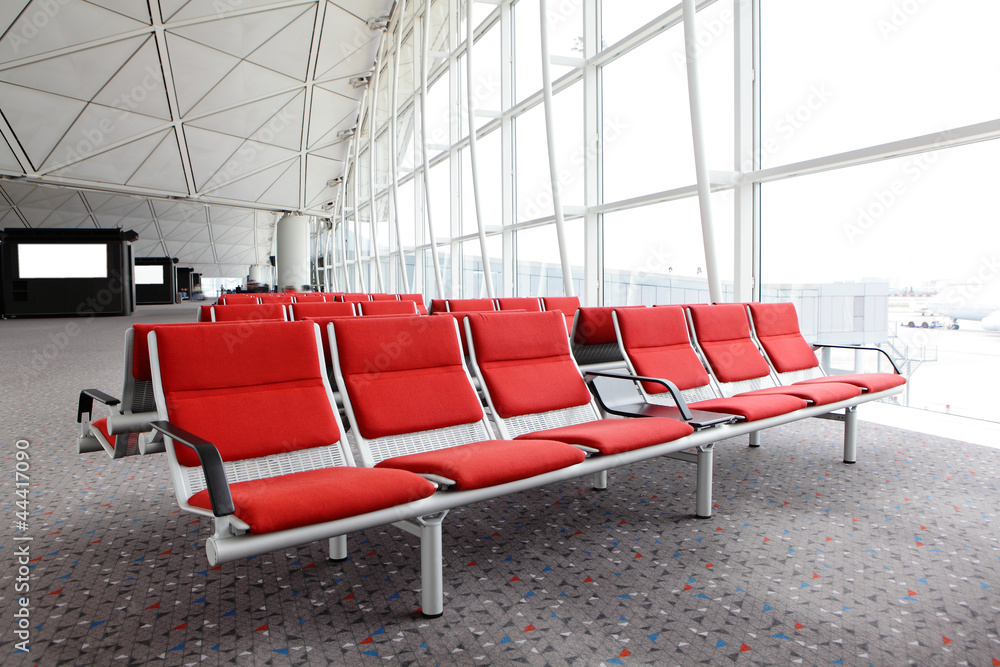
column 543, row 13
column 424, row 64
column 258, row 273
column 393, row 141
column 747, row 193
column 292, row 251
column 342, row 242
column 372, row 108
column 473, row 155
column 593, row 273
column 700, row 161
column 355, row 174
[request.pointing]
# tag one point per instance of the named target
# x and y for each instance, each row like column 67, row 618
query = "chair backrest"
column 567, row 304
column 593, row 335
column 309, row 298
column 254, row 391
column 417, row 299
column 471, row 305
column 383, row 297
column 526, row 370
column 301, row 311
column 527, row 304
column 776, row 326
column 404, row 385
column 388, row 308
column 722, row 332
column 284, row 298
column 204, row 314
column 232, row 299
column 655, row 343
column 353, row 296
column 249, row 312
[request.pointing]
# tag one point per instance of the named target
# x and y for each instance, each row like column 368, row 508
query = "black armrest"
column 675, row 393
column 861, row 347
column 87, row 398
column 211, row 464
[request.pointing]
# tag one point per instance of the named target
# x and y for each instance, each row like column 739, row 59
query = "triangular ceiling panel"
column 329, row 110
column 116, row 165
column 9, row 12
column 288, row 51
column 8, row 162
column 335, row 151
column 343, row 86
column 134, row 9
column 197, row 9
column 73, row 23
column 285, row 128
column 97, row 128
column 39, row 133
column 138, row 86
column 196, row 69
column 244, row 83
column 242, row 121
column 259, row 182
column 285, row 191
column 343, row 36
column 240, row 36
column 319, row 171
column 208, row 151
column 163, row 169
column 78, row 74
column 170, row 7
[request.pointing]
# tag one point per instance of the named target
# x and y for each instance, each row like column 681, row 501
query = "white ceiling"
column 178, row 118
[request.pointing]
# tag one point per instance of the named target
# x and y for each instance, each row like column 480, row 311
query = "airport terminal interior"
column 666, row 175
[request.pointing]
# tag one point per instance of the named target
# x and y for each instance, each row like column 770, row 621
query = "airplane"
column 967, row 302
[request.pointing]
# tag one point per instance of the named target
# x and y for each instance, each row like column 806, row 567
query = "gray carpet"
column 807, row 561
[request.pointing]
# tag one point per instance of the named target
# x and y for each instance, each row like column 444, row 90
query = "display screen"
column 149, row 274
column 62, row 260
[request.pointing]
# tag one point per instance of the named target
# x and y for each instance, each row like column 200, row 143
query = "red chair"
column 470, row 305
column 794, row 361
column 309, row 298
column 353, row 296
column 239, row 457
column 383, row 297
column 568, row 305
column 284, row 298
column 412, row 407
column 388, row 308
column 249, row 312
column 593, row 337
column 530, row 305
column 417, row 299
column 233, row 299
column 438, row 306
column 301, row 311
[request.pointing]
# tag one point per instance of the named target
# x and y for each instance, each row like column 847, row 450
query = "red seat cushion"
column 821, row 394
column 490, row 462
column 752, row 408
column 383, row 297
column 417, row 299
column 525, row 361
column 309, row 298
column 388, row 308
column 102, row 427
column 613, row 436
column 312, row 311
column 316, row 496
column 567, row 304
column 404, row 374
column 251, row 389
column 777, row 328
column 872, row 382
column 470, row 305
column 594, row 325
column 657, row 344
column 723, row 332
column 250, row 312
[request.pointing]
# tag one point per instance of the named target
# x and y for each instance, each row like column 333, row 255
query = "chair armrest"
column 861, row 347
column 675, row 393
column 211, row 464
column 87, row 398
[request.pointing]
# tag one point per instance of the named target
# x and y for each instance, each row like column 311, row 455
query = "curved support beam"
column 691, row 49
column 473, row 151
column 424, row 58
column 372, row 107
column 550, row 141
column 394, row 146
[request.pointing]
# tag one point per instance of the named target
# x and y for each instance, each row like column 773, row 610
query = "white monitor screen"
column 62, row 260
column 149, row 274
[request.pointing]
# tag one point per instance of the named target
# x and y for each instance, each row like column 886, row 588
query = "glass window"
column 877, row 71
column 439, row 116
column 490, row 193
column 486, row 77
column 654, row 254
column 528, row 45
column 623, row 17
column 473, row 283
column 647, row 144
column 539, row 270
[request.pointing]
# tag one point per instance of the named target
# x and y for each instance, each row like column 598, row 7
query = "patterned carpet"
column 807, row 561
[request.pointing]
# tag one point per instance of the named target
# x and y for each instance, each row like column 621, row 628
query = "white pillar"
column 258, row 274
column 292, row 251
